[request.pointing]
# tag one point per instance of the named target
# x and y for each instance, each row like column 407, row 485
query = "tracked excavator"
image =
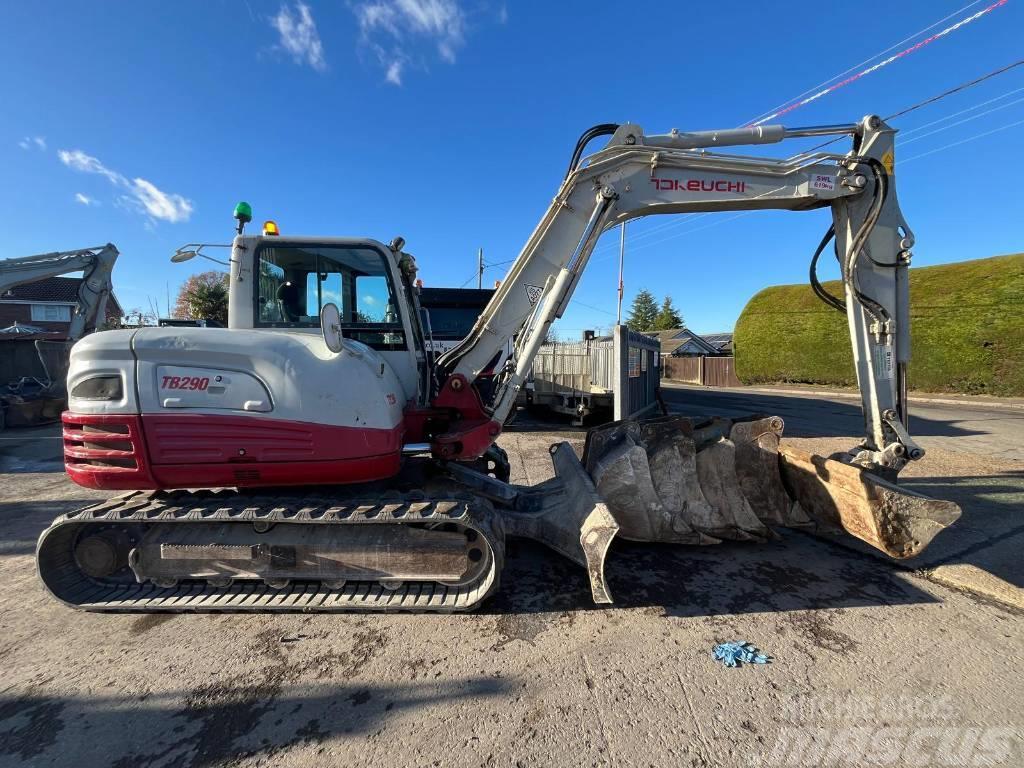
column 310, row 457
column 45, row 403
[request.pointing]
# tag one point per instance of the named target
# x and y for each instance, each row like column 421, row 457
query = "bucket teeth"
column 757, row 470
column 643, row 492
column 732, row 516
column 675, row 479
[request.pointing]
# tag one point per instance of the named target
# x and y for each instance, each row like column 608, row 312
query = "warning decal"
column 889, row 161
column 533, row 292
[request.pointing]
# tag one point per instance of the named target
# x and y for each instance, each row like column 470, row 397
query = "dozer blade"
column 896, row 521
column 568, row 515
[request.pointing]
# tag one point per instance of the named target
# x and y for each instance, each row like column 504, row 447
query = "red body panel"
column 191, row 450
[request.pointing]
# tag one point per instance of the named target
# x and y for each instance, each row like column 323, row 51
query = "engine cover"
column 211, row 407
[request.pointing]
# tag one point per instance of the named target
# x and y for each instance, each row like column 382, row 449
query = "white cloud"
column 161, row 205
column 142, row 195
column 390, row 27
column 39, row 142
column 77, row 160
column 394, row 74
column 299, row 35
column 85, row 199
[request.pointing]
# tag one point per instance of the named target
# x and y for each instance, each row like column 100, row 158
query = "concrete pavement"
column 871, row 664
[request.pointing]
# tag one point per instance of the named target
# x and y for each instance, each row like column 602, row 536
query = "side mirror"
column 330, row 326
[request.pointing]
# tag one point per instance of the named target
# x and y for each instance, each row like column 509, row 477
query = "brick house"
column 47, row 304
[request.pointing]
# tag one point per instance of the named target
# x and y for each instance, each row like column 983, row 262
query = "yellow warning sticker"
column 888, row 161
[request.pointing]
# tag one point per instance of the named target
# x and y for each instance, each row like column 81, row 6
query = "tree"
column 133, row 318
column 644, row 312
column 668, row 318
column 204, row 297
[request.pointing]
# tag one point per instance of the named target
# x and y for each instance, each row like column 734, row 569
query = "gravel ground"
column 871, row 664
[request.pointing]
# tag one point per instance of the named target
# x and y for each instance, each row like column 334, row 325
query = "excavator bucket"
column 702, row 481
column 891, row 519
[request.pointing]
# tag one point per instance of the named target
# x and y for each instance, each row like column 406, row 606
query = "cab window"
column 296, row 281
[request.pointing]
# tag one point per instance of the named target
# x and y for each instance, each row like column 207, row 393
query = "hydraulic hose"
column 881, row 191
column 604, row 129
column 819, row 290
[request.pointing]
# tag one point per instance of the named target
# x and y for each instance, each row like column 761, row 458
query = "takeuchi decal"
column 699, row 185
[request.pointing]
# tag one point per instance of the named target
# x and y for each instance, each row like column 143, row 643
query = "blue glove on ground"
column 731, row 654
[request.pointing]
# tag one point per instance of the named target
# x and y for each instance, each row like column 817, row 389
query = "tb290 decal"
column 199, row 383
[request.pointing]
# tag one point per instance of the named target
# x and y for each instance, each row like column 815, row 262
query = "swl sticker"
column 823, row 181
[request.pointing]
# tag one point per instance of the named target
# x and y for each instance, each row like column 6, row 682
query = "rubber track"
column 56, row 565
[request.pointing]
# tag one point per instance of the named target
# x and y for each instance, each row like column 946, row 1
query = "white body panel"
column 275, row 374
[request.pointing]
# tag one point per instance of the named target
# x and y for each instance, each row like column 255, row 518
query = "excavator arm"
column 637, row 175
column 97, row 264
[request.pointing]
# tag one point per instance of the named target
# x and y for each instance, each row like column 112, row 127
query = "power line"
column 962, row 141
column 965, row 120
column 957, row 89
column 932, row 100
column 885, row 62
column 944, row 118
column 870, row 58
column 591, row 306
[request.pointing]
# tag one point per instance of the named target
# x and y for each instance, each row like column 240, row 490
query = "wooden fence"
column 706, row 371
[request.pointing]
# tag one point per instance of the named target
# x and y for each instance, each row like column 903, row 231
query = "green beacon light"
column 243, row 214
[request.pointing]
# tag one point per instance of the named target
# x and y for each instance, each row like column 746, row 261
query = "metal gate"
column 636, row 364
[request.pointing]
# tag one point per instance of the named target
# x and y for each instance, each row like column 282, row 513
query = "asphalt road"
column 968, row 428
column 871, row 664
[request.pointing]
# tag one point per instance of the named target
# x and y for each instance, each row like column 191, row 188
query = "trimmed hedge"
column 967, row 331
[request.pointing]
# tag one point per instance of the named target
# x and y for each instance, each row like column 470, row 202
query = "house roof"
column 718, row 340
column 673, row 339
column 55, row 289
column 668, row 346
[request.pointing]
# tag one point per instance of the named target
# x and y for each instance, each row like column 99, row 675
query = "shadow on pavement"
column 992, row 517
column 21, row 522
column 214, row 724
column 796, row 574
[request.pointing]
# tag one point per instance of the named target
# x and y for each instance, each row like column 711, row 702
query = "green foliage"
column 668, row 318
column 204, row 297
column 967, row 331
column 644, row 312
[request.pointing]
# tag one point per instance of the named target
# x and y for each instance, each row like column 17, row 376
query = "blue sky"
column 451, row 123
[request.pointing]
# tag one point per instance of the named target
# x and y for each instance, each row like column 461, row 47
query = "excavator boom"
column 637, row 175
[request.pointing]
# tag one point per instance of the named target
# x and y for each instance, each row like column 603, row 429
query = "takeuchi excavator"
column 344, row 470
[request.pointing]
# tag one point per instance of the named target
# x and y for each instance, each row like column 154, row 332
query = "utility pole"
column 622, row 253
column 480, row 268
